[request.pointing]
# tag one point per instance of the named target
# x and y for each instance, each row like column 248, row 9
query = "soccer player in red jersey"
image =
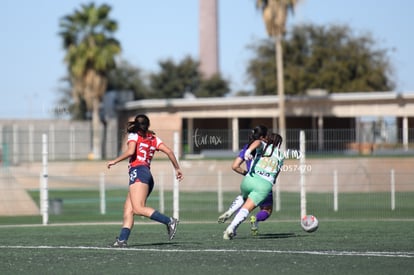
column 142, row 144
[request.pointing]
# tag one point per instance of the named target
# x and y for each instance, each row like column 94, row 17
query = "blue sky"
column 150, row 31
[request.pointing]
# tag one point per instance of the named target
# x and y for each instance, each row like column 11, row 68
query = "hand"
column 110, row 163
column 248, row 155
column 178, row 174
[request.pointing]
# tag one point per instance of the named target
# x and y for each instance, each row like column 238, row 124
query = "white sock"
column 236, row 204
column 238, row 219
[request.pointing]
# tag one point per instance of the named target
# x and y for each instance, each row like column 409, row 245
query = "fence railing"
column 75, row 192
column 73, row 141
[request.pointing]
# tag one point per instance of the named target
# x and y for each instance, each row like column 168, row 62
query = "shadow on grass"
column 278, row 236
column 153, row 244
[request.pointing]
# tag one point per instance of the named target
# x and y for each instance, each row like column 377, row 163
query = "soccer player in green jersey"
column 258, row 182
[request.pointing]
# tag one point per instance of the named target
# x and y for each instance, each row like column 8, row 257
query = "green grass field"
column 363, row 247
column 363, row 237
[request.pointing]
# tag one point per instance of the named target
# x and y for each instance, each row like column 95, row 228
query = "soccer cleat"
column 119, row 244
column 224, row 217
column 228, row 234
column 254, row 226
column 172, row 228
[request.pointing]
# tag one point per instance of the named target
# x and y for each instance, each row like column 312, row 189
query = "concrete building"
column 341, row 111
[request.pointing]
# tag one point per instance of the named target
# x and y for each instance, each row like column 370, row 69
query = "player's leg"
column 138, row 195
column 255, row 190
column 264, row 213
column 134, row 204
column 240, row 217
column 139, row 192
column 235, row 205
column 266, row 208
column 128, row 223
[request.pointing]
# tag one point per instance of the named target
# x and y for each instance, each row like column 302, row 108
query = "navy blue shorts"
column 142, row 174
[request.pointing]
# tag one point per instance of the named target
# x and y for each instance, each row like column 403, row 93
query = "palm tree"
column 90, row 54
column 274, row 16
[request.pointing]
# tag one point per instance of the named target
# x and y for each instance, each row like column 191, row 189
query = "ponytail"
column 276, row 141
column 141, row 124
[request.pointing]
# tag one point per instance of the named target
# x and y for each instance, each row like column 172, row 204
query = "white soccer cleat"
column 224, row 217
column 228, row 234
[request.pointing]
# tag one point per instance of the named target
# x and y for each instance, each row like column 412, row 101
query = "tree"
column 215, row 86
column 126, row 77
column 175, row 80
column 76, row 110
column 87, row 36
column 274, row 16
column 323, row 57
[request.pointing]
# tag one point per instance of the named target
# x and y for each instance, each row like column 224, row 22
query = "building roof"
column 337, row 104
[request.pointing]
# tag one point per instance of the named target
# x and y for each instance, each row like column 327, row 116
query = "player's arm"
column 253, row 146
column 166, row 150
column 236, row 166
column 127, row 154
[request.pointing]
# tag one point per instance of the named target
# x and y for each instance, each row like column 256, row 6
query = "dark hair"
column 275, row 140
column 257, row 132
column 141, row 123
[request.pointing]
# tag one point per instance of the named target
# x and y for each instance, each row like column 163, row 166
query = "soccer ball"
column 309, row 223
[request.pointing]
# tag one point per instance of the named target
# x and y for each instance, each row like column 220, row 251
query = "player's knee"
column 138, row 210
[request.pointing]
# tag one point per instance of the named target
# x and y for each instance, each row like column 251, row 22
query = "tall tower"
column 208, row 38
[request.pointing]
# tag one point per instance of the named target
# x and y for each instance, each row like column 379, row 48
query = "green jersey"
column 267, row 164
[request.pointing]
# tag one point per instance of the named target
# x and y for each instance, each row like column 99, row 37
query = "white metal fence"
column 380, row 180
column 20, row 141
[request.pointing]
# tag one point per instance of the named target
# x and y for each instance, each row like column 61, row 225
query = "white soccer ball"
column 309, row 223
